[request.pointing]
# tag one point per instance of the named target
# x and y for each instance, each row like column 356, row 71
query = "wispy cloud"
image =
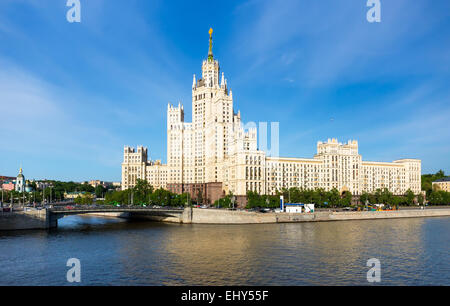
column 71, row 95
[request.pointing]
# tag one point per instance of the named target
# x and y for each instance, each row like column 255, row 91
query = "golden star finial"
column 210, row 31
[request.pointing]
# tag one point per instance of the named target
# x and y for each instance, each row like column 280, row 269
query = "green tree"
column 364, row 198
column 200, row 197
column 99, row 191
column 346, row 199
column 409, row 195
column 142, row 192
column 334, row 197
column 421, row 199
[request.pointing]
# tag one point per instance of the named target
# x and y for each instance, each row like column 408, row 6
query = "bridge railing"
column 112, row 208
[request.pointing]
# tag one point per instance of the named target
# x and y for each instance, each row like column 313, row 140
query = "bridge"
column 174, row 214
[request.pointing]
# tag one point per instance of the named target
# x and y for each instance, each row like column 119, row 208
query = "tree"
column 224, row 202
column 440, row 174
column 333, row 197
column 364, row 198
column 435, row 198
column 421, row 199
column 141, row 192
column 254, row 200
column 99, row 191
column 200, row 197
column 85, row 199
column 409, row 197
column 386, row 197
column 346, row 199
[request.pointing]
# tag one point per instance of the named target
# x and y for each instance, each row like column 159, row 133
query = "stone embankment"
column 215, row 216
column 25, row 220
column 42, row 219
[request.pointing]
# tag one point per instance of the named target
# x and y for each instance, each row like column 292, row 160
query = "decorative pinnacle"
column 210, row 53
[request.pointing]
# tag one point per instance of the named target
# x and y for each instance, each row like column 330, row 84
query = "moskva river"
column 120, row 252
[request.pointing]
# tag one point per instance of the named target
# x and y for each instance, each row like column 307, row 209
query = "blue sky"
column 73, row 94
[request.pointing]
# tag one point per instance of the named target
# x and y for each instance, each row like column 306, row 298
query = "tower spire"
column 210, row 53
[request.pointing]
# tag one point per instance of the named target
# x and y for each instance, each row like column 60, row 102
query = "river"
column 112, row 251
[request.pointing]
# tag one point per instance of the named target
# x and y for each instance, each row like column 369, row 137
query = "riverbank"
column 40, row 219
column 215, row 216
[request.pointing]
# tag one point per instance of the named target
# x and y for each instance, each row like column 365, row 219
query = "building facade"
column 9, row 186
column 20, row 182
column 215, row 155
column 442, row 184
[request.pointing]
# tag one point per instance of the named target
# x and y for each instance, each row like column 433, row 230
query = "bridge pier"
column 27, row 220
column 51, row 220
column 186, row 217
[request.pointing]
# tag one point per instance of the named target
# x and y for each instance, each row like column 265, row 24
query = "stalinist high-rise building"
column 214, row 155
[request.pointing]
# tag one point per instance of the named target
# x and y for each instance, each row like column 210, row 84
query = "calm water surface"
column 120, row 252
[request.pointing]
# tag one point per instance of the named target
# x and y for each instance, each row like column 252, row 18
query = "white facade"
column 215, row 148
column 20, row 182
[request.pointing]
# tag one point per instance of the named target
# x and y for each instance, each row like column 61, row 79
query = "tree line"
column 334, row 199
column 144, row 194
column 54, row 192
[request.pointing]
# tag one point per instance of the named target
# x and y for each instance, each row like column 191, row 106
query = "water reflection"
column 115, row 251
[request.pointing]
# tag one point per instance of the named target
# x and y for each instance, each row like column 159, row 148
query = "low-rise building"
column 8, row 186
column 442, row 184
column 6, row 179
column 73, row 195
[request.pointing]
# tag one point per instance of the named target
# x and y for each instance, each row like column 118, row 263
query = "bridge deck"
column 86, row 210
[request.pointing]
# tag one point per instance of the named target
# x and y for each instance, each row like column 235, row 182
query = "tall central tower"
column 212, row 120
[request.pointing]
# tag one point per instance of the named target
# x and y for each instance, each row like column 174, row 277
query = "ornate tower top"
column 210, row 53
